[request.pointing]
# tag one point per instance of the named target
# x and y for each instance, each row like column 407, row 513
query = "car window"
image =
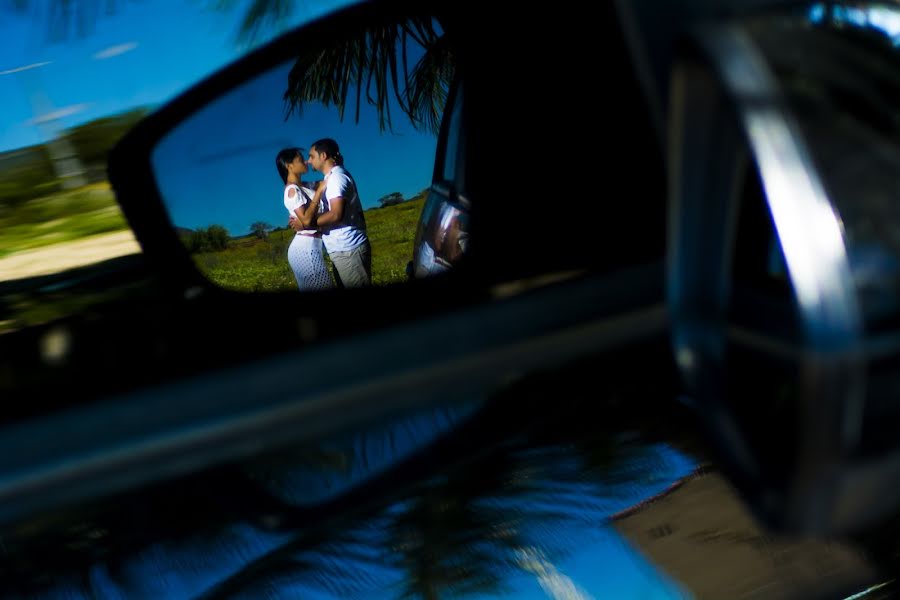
column 763, row 328
column 758, row 258
column 452, row 167
column 73, row 82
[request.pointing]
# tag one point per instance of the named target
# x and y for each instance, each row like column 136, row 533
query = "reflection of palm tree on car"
column 533, row 483
column 515, row 508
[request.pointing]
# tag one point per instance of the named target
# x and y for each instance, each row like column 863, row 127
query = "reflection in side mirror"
column 442, row 239
column 286, row 182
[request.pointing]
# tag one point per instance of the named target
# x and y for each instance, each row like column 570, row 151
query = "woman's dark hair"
column 330, row 148
column 285, row 157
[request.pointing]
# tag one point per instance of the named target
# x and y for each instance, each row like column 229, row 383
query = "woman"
column 305, row 252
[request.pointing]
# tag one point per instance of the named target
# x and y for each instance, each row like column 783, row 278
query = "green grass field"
column 251, row 264
column 60, row 217
column 248, row 264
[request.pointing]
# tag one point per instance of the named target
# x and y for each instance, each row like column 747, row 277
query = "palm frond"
column 375, row 62
column 65, row 18
column 260, row 16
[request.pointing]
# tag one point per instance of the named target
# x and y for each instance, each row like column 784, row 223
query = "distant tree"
column 261, row 229
column 218, row 237
column 93, row 140
column 24, row 174
column 194, row 241
column 391, row 199
column 421, row 195
column 27, row 173
column 210, row 239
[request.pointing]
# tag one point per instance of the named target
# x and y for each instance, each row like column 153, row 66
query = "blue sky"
column 149, row 51
column 143, row 54
column 219, row 165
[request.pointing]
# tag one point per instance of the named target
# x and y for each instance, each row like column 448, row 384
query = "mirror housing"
column 138, row 181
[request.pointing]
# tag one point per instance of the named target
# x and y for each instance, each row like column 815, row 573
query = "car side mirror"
column 783, row 263
column 221, row 185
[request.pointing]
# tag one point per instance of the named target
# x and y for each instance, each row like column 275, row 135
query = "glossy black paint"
column 574, row 375
column 464, row 488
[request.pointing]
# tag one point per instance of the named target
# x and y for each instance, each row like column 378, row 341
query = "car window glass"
column 78, row 81
column 758, row 259
column 451, row 167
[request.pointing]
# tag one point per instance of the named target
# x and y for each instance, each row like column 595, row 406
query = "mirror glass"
column 239, row 176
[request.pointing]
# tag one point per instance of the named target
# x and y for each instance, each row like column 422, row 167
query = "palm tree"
column 516, row 507
column 376, row 60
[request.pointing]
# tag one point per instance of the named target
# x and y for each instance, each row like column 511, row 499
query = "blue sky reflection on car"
column 882, row 17
column 579, row 557
column 604, row 566
column 134, row 57
column 218, row 166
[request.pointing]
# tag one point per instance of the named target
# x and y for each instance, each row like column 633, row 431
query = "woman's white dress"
column 306, row 252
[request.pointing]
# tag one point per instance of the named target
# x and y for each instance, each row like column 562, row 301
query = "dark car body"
column 536, row 405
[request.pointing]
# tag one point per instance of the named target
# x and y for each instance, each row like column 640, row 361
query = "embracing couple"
column 330, row 215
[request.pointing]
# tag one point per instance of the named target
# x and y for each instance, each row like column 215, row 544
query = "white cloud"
column 25, row 68
column 58, row 114
column 115, row 50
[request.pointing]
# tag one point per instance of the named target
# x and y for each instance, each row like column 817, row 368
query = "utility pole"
column 47, row 119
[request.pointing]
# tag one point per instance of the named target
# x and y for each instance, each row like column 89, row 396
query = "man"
column 342, row 222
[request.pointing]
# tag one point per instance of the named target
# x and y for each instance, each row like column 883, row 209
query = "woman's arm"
column 307, row 214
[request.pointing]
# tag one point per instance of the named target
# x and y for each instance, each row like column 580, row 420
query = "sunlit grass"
column 255, row 265
column 392, row 231
column 250, row 264
column 60, row 217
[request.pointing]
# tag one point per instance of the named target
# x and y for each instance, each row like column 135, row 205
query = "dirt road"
column 67, row 255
